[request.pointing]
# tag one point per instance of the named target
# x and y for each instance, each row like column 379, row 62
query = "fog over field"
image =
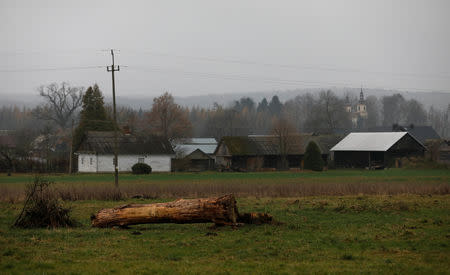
column 438, row 100
column 202, row 48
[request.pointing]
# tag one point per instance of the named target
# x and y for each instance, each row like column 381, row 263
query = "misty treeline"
column 323, row 112
column 42, row 136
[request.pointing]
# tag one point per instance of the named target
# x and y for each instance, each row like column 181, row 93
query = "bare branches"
column 62, row 101
column 287, row 137
column 169, row 119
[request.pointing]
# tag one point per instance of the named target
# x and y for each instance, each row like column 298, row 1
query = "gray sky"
column 214, row 47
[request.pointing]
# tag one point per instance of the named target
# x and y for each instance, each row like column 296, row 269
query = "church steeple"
column 361, row 96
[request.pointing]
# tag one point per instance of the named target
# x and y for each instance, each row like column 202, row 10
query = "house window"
column 90, row 161
column 82, row 160
column 140, row 160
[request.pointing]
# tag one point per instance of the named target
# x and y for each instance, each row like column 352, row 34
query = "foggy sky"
column 214, row 47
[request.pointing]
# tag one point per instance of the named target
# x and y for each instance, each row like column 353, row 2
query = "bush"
column 313, row 157
column 141, row 168
column 43, row 208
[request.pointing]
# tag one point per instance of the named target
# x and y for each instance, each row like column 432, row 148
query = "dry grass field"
column 268, row 184
column 343, row 221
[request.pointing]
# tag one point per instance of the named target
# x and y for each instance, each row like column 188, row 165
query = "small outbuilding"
column 375, row 149
column 194, row 154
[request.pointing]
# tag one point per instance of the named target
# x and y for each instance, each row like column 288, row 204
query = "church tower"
column 361, row 109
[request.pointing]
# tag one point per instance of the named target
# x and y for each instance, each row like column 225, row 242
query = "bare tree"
column 327, row 113
column 414, row 113
column 440, row 120
column 287, row 136
column 61, row 103
column 15, row 147
column 373, row 111
column 169, row 119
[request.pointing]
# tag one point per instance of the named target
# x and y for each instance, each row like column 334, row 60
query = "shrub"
column 141, row 168
column 313, row 157
column 43, row 208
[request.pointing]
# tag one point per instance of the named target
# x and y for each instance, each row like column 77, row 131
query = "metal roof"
column 189, row 148
column 189, row 145
column 380, row 141
column 202, row 141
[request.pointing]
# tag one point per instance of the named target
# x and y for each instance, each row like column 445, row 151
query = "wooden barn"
column 262, row 152
column 375, row 149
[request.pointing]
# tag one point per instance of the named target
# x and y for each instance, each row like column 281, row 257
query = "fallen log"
column 221, row 211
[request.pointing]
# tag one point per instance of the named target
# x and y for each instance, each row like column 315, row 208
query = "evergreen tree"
column 275, row 105
column 263, row 106
column 313, row 158
column 93, row 116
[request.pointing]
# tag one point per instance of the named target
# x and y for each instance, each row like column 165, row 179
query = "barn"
column 262, row 152
column 375, row 149
column 96, row 152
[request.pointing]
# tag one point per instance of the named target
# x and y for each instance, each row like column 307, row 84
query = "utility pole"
column 112, row 69
column 71, row 149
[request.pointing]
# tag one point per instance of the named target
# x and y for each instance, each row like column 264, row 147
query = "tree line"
column 70, row 111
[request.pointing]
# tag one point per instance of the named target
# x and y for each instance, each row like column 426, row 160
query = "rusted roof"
column 270, row 144
column 103, row 143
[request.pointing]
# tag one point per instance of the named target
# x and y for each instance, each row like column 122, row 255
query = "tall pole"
column 112, row 69
column 71, row 149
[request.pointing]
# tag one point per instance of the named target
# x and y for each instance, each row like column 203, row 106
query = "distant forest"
column 322, row 112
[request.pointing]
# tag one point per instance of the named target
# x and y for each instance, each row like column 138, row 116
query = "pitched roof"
column 421, row 133
column 189, row 145
column 103, row 143
column 380, row 141
column 269, row 144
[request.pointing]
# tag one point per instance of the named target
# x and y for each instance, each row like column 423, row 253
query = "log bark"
column 221, row 211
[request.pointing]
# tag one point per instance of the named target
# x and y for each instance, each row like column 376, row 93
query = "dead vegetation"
column 104, row 191
column 241, row 188
column 43, row 208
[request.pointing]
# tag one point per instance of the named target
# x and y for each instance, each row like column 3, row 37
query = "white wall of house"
column 104, row 163
column 87, row 163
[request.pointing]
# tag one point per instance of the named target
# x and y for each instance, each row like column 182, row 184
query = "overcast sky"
column 215, row 47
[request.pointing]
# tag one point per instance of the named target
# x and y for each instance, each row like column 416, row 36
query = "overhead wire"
column 50, row 69
column 290, row 66
column 235, row 77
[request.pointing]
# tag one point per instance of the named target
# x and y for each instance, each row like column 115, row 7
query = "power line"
column 207, row 75
column 262, row 78
column 48, row 52
column 290, row 66
column 233, row 61
column 51, row 69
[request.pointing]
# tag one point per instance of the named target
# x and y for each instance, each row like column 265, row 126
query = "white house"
column 96, row 153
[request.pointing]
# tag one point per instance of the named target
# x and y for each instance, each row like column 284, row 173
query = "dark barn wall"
column 405, row 147
column 350, row 159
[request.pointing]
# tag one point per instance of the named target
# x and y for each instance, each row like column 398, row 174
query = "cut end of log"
column 255, row 218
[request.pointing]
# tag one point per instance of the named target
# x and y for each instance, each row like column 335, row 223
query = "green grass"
column 207, row 176
column 400, row 234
